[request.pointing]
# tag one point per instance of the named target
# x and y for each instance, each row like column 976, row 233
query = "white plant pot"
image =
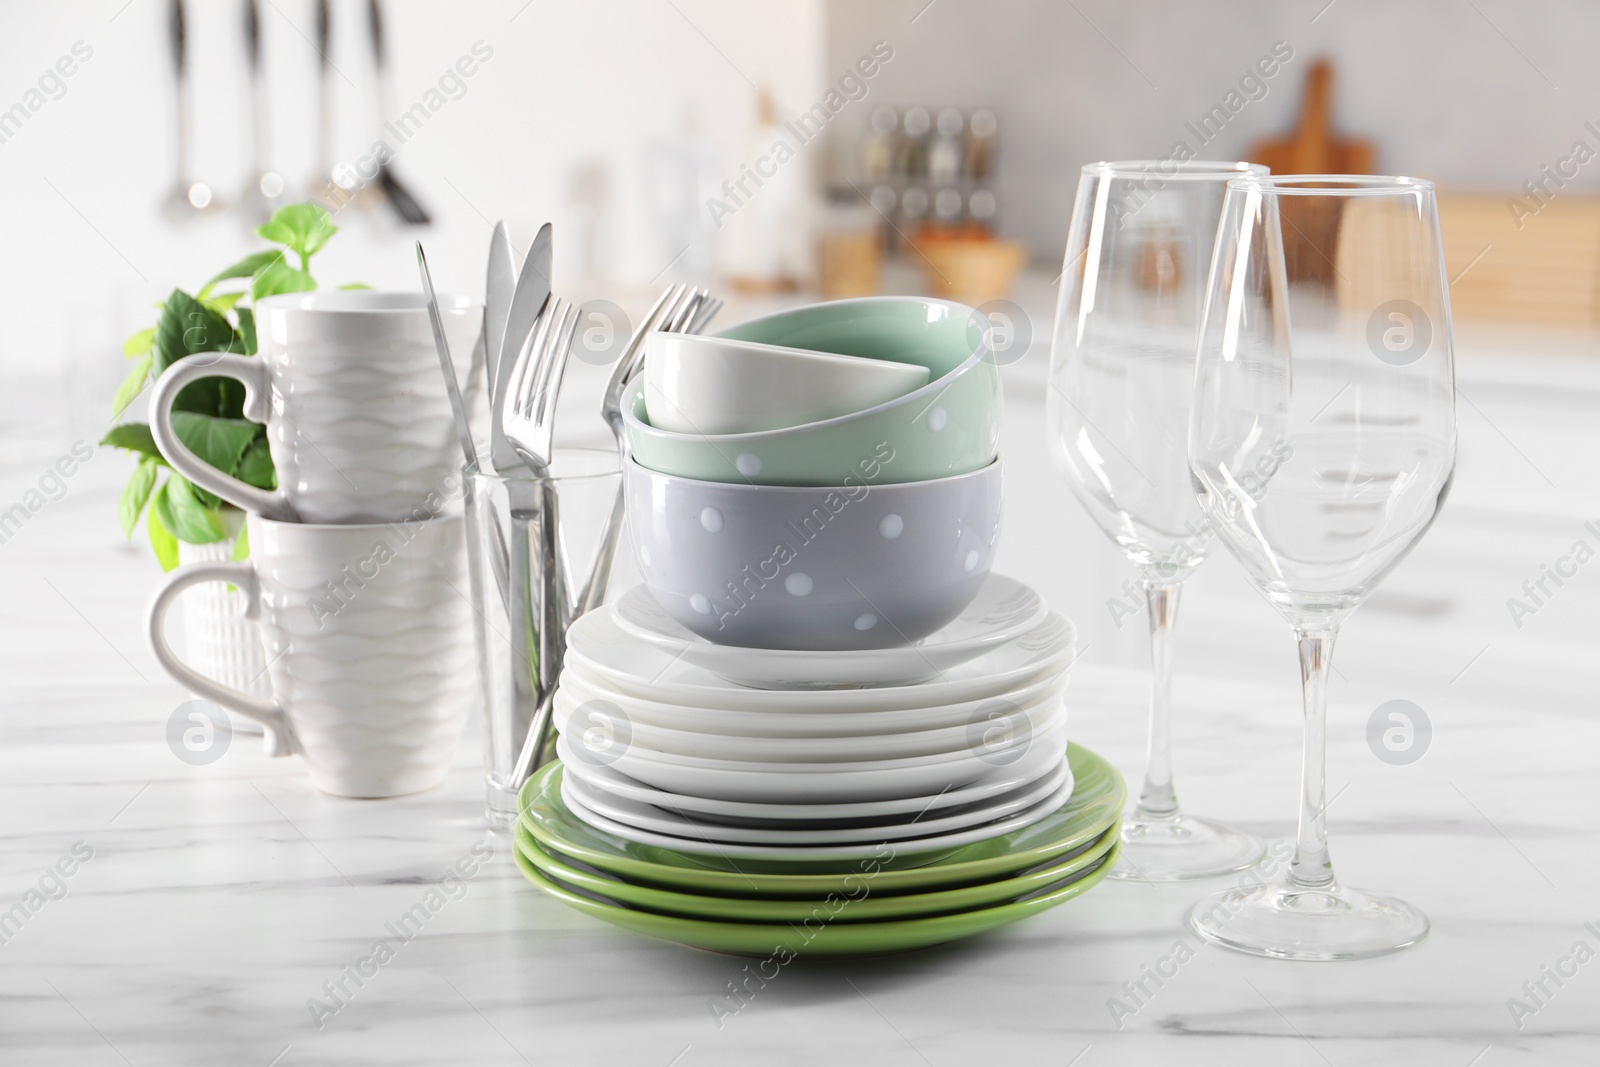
column 218, row 641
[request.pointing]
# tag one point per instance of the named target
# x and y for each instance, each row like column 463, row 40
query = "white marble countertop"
column 217, row 902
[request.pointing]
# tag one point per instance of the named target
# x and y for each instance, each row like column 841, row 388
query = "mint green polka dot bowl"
column 949, row 426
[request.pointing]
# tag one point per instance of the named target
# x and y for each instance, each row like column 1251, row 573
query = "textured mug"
column 368, row 642
column 348, row 384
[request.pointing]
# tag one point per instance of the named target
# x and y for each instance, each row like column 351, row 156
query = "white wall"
column 578, row 89
column 1477, row 94
column 571, row 90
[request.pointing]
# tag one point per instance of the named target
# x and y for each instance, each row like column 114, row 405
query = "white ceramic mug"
column 368, row 637
column 348, row 385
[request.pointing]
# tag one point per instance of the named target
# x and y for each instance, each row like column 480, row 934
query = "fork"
column 703, row 316
column 527, row 418
column 529, row 414
column 681, row 309
column 669, row 307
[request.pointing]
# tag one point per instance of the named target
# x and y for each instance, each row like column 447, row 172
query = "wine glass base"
column 1181, row 848
column 1332, row 923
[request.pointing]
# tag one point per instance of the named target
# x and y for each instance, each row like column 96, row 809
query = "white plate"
column 997, row 783
column 648, row 817
column 1004, row 610
column 581, row 685
column 604, row 650
column 987, row 725
column 810, row 783
column 955, row 839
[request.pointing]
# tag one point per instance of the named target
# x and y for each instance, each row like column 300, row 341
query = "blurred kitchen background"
column 926, row 146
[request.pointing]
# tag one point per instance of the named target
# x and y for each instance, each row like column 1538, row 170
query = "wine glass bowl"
column 1325, row 527
column 1123, row 360
column 1322, row 445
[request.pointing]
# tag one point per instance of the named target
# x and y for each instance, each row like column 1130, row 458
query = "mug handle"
column 279, row 735
column 256, row 378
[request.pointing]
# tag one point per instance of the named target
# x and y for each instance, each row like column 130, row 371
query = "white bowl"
column 714, row 385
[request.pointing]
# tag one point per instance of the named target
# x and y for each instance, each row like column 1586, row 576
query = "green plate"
column 1096, row 803
column 860, row 906
column 819, row 937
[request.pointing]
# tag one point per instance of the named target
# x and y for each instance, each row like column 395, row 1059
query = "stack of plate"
column 895, row 897
column 744, row 800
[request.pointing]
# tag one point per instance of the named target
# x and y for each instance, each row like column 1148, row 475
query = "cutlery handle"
column 324, row 28
column 179, row 37
column 252, row 35
column 255, row 376
column 258, row 101
column 279, row 736
column 324, row 101
column 180, row 77
column 375, row 25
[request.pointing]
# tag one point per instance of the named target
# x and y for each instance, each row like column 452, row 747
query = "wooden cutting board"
column 1313, row 148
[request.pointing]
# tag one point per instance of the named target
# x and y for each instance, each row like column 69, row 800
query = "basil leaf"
column 221, row 304
column 280, row 278
column 255, row 466
column 132, row 385
column 134, row 436
column 221, row 443
column 139, row 343
column 137, row 493
column 248, row 267
column 241, row 545
column 355, row 285
column 182, row 513
column 188, row 326
column 161, row 539
column 303, row 227
column 247, row 330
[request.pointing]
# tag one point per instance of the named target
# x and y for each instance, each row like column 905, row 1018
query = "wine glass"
column 1121, row 383
column 1322, row 443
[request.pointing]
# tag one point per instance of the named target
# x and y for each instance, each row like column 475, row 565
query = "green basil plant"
column 208, row 415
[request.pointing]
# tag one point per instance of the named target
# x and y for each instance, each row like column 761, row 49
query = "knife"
column 532, row 293
column 502, row 282
column 451, row 387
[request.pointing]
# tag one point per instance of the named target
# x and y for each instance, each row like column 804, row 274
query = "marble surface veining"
column 222, row 910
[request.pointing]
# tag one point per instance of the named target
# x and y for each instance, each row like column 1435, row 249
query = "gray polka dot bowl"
column 865, row 564
column 949, row 426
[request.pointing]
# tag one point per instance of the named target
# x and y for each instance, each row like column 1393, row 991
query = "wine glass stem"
column 1311, row 868
column 1158, row 800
